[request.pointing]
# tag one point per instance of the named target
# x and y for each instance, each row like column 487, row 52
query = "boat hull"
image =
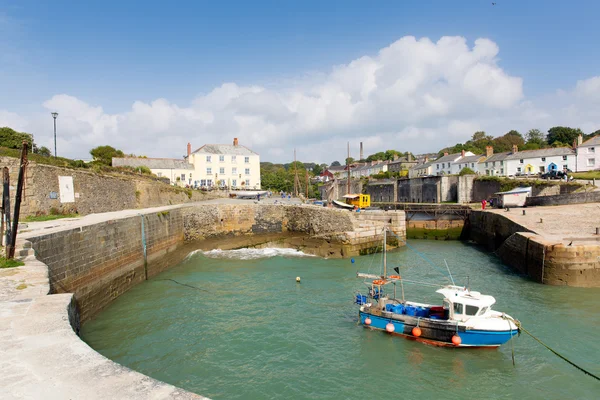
column 438, row 333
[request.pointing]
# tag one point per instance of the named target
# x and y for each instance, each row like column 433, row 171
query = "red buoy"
column 390, row 327
column 456, row 340
column 416, row 331
column 367, row 321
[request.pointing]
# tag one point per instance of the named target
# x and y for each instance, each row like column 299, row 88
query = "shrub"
column 466, row 171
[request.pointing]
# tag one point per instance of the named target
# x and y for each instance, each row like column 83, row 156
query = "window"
column 486, row 164
column 247, row 160
column 493, row 163
column 202, row 182
column 472, row 165
column 234, row 183
column 443, row 165
column 221, row 158
column 501, row 171
column 233, row 160
column 208, row 158
column 183, row 177
column 518, row 169
column 501, row 162
column 159, row 174
column 542, row 169
column 565, row 167
column 471, row 310
column 234, row 170
column 247, row 172
column 590, row 162
column 487, row 172
column 483, row 310
column 247, row 182
column 209, row 182
column 521, row 161
column 458, row 308
column 222, row 170
column 208, row 171
column 564, row 158
column 591, row 150
column 543, row 158
column 438, row 166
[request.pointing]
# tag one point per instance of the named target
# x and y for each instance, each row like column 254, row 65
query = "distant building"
column 443, row 165
column 369, row 169
column 587, row 160
column 423, row 169
column 402, row 163
column 223, row 165
column 466, row 162
column 492, row 164
column 533, row 162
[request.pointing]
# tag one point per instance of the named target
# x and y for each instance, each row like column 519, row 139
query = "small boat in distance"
column 464, row 319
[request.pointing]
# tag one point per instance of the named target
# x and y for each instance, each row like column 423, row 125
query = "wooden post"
column 6, row 206
column 10, row 249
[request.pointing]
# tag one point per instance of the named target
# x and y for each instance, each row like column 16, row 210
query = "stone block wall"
column 562, row 199
column 100, row 262
column 420, row 190
column 382, row 191
column 465, row 189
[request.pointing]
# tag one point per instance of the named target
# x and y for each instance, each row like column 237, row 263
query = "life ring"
column 378, row 282
column 395, row 277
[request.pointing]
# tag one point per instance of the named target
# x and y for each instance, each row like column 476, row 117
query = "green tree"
column 389, row 154
column 14, row 140
column 349, row 160
column 507, row 141
column 466, row 171
column 562, row 134
column 44, row 151
column 317, row 169
column 335, row 164
column 535, row 136
column 377, row 156
column 104, row 154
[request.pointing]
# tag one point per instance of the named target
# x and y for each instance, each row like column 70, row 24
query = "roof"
column 424, row 165
column 595, row 141
column 496, row 157
column 152, row 163
column 517, row 190
column 449, row 157
column 336, row 168
column 470, row 159
column 402, row 160
column 351, row 196
column 466, row 296
column 552, row 151
column 228, row 149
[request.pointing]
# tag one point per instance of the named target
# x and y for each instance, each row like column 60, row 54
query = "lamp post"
column 54, row 115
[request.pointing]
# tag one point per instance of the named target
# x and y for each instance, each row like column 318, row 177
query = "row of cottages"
column 372, row 168
column 528, row 162
column 213, row 165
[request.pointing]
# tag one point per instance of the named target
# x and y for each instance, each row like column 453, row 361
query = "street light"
column 54, row 115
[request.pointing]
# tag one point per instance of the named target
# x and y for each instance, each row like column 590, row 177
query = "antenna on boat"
column 449, row 273
column 384, row 254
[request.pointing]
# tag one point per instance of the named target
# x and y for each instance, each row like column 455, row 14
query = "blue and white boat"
column 464, row 318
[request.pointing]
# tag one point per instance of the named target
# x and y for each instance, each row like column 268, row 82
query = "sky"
column 147, row 77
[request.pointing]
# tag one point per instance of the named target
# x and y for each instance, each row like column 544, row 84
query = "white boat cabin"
column 464, row 304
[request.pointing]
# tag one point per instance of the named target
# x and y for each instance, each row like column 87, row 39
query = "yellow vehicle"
column 358, row 200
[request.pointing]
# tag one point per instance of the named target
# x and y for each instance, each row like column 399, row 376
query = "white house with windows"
column 179, row 172
column 466, row 162
column 372, row 168
column 533, row 162
column 493, row 164
column 443, row 165
column 225, row 165
column 588, row 157
column 222, row 165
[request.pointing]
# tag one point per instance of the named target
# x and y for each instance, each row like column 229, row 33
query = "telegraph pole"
column 54, row 115
column 348, row 168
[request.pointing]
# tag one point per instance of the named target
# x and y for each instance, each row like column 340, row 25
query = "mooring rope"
column 520, row 326
column 183, row 284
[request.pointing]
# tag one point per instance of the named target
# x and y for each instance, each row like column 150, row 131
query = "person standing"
column 483, row 203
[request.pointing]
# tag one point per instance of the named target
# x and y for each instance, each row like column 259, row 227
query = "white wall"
column 512, row 166
column 173, row 173
column 588, row 158
column 231, row 169
column 493, row 168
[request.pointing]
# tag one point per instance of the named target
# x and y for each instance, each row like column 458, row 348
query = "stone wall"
column 100, row 262
column 419, row 190
column 465, row 189
column 384, row 191
column 562, row 199
column 94, row 193
column 448, row 188
column 334, row 190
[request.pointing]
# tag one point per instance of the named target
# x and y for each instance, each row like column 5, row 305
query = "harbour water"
column 247, row 330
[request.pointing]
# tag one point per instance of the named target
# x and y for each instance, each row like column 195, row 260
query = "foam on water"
column 250, row 254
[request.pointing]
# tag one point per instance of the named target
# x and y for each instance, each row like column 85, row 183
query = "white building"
column 466, row 162
column 587, row 160
column 372, row 168
column 533, row 162
column 225, row 165
column 443, row 165
column 179, row 172
column 492, row 164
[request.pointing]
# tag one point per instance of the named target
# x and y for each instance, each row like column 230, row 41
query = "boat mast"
column 348, row 168
column 384, row 254
column 295, row 176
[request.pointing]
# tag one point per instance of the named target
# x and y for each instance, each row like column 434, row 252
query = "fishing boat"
column 464, row 318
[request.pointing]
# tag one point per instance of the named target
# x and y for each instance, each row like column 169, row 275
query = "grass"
column 4, row 263
column 38, row 218
column 586, row 175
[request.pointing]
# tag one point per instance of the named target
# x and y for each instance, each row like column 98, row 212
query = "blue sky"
column 112, row 54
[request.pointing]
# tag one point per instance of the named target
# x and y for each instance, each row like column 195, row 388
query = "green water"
column 252, row 332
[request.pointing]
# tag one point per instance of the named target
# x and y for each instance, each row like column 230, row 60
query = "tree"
column 349, row 160
column 562, row 134
column 317, row 169
column 104, row 154
column 535, row 136
column 466, row 171
column 376, row 156
column 335, row 164
column 44, row 151
column 506, row 142
column 389, row 154
column 14, row 140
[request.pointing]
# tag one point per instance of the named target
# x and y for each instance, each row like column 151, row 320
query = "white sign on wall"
column 67, row 192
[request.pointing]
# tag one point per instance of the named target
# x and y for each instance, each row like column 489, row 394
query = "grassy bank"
column 586, row 175
column 4, row 263
column 38, row 218
column 434, row 234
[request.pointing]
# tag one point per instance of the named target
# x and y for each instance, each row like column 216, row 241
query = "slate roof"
column 152, row 163
column 337, row 168
column 227, row 149
column 552, row 151
column 448, row 158
column 424, row 165
column 469, row 159
column 595, row 141
column 496, row 157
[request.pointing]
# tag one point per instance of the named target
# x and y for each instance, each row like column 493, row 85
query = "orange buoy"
column 416, row 331
column 395, row 277
column 367, row 321
column 390, row 327
column 378, row 282
column 456, row 340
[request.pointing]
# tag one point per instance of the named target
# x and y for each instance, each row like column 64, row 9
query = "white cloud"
column 414, row 94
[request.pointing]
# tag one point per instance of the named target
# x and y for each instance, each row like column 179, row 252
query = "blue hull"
column 440, row 333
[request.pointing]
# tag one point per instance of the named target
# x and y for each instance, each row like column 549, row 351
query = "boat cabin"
column 358, row 200
column 464, row 304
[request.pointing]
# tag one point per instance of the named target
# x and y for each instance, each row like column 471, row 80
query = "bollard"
column 541, row 221
column 597, row 231
column 523, row 212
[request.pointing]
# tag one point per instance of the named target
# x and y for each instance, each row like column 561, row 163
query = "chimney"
column 579, row 140
column 409, row 157
column 235, row 141
column 445, row 153
column 189, row 148
column 575, row 144
column 395, row 157
column 489, row 151
column 426, row 159
column 361, row 151
column 515, row 148
column 462, row 153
